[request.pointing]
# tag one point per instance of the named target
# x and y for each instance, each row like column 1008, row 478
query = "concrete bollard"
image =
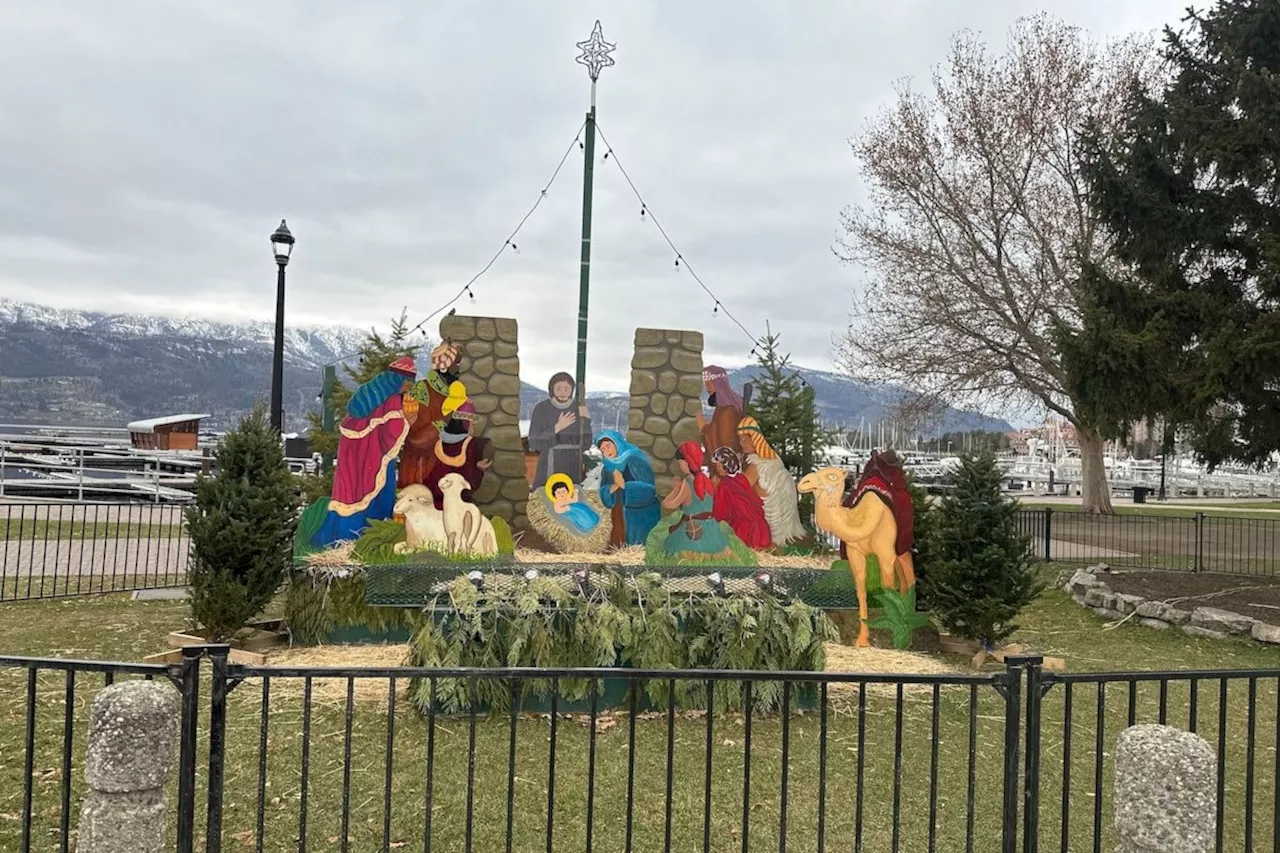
column 133, row 735
column 1166, row 791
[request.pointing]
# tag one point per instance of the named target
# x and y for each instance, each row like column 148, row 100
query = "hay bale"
column 560, row 533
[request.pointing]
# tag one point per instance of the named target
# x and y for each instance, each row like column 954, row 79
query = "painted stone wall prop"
column 666, row 396
column 490, row 370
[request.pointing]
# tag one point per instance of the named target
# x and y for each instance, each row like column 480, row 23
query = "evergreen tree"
column 242, row 529
column 376, row 353
column 979, row 572
column 1184, row 328
column 786, row 408
column 923, row 512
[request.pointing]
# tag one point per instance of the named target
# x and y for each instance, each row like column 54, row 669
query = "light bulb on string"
column 642, row 211
column 715, row 309
column 677, row 261
column 606, row 155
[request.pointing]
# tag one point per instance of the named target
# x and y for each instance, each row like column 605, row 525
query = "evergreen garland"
column 980, row 573
column 628, row 622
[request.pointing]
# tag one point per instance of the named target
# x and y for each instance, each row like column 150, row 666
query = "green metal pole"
column 584, row 276
column 327, row 415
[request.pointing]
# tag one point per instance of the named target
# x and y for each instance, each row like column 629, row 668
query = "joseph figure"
column 558, row 433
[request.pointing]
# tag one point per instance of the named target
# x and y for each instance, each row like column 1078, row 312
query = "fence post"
column 2, row 469
column 1032, row 666
column 218, row 655
column 130, row 754
column 1012, row 684
column 80, row 488
column 188, row 732
column 1048, row 536
column 1165, row 781
column 1199, row 557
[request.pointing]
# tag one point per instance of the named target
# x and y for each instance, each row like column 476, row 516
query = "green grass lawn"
column 113, row 627
column 13, row 529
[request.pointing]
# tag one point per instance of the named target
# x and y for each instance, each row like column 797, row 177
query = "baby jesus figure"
column 564, row 500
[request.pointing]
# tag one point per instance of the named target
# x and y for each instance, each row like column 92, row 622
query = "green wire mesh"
column 408, row 585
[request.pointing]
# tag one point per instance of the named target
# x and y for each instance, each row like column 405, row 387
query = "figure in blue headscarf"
column 627, row 489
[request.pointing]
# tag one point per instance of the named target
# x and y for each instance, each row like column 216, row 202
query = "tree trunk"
column 1095, row 493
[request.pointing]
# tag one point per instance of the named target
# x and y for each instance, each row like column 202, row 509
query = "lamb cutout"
column 467, row 531
column 423, row 523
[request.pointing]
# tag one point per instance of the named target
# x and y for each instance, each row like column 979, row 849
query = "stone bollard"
column 1166, row 784
column 133, row 735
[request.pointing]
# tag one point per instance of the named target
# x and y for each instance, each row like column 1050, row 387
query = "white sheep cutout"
column 423, row 523
column 467, row 531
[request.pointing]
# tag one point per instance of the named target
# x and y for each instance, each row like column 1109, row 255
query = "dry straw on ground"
column 333, row 691
column 873, row 661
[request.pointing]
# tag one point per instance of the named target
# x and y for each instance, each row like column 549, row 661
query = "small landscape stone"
column 1264, row 633
column 1155, row 623
column 1126, row 603
column 1083, row 580
column 1222, row 621
column 1197, row 631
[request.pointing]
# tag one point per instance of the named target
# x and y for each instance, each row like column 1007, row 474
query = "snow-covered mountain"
column 60, row 366
column 304, row 345
column 82, row 367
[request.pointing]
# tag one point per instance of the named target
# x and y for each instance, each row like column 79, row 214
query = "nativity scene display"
column 412, row 453
column 412, row 458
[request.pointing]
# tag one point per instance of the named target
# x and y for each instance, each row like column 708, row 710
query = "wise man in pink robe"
column 369, row 441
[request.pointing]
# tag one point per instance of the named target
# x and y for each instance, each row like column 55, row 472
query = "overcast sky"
column 148, row 149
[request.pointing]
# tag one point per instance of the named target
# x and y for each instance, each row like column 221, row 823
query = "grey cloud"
column 148, row 148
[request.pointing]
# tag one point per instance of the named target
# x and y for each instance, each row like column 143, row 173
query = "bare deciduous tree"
column 977, row 224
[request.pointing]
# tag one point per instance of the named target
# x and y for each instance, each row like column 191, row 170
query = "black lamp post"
column 282, row 245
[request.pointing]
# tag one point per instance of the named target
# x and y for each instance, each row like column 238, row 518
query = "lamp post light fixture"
column 282, row 245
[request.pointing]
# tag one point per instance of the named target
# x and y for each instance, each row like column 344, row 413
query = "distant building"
column 175, row 432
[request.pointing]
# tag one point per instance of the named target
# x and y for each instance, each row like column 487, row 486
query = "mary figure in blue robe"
column 627, row 489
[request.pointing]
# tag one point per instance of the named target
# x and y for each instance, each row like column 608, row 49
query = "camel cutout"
column 873, row 522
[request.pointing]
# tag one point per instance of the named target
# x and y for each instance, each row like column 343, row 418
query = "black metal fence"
column 52, row 550
column 301, row 759
column 1195, row 543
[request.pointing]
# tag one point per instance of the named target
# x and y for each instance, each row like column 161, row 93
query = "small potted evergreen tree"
column 241, row 529
column 980, row 574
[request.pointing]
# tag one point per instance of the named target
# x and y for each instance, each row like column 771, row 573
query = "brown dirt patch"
column 1248, row 596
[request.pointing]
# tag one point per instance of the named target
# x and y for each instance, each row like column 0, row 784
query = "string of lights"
column 718, row 307
column 509, row 243
column 646, row 212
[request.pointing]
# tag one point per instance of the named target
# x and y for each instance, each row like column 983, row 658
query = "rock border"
column 1088, row 590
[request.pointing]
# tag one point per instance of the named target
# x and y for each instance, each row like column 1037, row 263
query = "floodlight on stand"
column 477, row 578
column 716, row 582
column 531, row 575
column 764, row 580
column 582, row 581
